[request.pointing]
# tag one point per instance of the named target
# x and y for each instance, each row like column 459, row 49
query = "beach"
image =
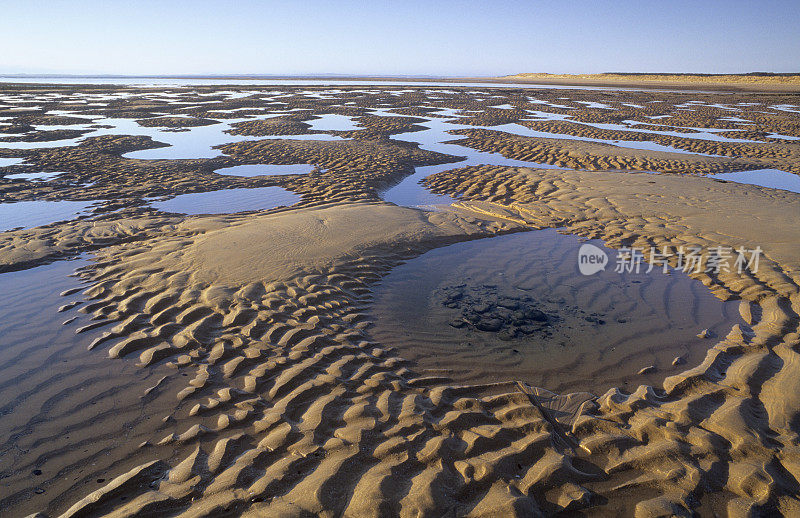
column 365, row 300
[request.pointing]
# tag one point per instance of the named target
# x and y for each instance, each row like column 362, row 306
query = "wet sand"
column 231, row 364
column 70, row 420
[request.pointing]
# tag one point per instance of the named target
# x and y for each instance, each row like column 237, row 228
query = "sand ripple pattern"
column 295, row 412
column 738, row 407
column 300, row 414
column 287, row 408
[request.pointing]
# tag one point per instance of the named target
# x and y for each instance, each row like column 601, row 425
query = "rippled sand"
column 230, row 364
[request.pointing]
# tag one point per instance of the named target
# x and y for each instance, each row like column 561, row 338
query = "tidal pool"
column 410, row 193
column 516, row 307
column 194, row 142
column 36, row 177
column 227, row 201
column 5, row 162
column 333, row 122
column 27, row 214
column 70, row 416
column 773, row 178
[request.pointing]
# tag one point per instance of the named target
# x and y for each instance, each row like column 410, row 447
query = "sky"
column 403, row 37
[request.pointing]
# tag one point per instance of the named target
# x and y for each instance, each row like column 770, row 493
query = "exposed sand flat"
column 333, row 424
column 313, row 239
column 318, row 338
column 743, row 393
column 686, row 209
column 579, row 154
column 26, row 248
column 282, row 404
column 70, row 422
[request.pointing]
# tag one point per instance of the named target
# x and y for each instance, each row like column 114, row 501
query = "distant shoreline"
column 760, row 82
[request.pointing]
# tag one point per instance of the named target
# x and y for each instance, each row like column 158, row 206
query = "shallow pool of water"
column 195, row 142
column 773, row 178
column 70, row 416
column 5, row 162
column 33, row 176
column 595, row 105
column 227, row 201
column 699, row 133
column 410, row 193
column 516, row 307
column 786, row 108
column 784, row 137
column 333, row 122
column 200, row 142
column 27, row 214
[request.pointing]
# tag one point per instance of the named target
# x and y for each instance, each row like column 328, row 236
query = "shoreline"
column 621, row 82
column 712, row 82
column 253, row 382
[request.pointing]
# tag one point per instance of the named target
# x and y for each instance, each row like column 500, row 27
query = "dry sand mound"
column 276, row 247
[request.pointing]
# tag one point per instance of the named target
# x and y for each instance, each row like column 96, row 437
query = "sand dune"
column 725, row 82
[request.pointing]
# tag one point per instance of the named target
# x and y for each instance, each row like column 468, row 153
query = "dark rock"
column 490, row 324
column 537, row 315
column 506, row 334
column 508, row 304
column 481, row 308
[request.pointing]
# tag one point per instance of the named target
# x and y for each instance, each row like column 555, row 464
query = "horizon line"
column 388, row 76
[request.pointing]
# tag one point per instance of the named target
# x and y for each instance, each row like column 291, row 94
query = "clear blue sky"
column 429, row 37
